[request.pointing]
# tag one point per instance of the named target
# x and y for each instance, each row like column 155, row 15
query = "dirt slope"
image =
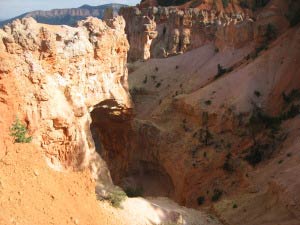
column 32, row 193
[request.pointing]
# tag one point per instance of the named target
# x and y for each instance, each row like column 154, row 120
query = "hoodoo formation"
column 174, row 112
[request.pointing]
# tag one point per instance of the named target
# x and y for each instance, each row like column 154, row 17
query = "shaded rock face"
column 130, row 148
column 140, row 30
column 171, row 31
column 60, row 73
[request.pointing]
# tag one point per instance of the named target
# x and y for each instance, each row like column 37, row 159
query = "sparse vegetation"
column 293, row 17
column 222, row 71
column 271, row 32
column 200, row 200
column 257, row 94
column 225, row 3
column 207, row 102
column 19, row 132
column 145, row 80
column 116, row 197
column 244, row 4
column 217, row 195
column 259, row 3
column 134, row 92
column 293, row 95
column 228, row 166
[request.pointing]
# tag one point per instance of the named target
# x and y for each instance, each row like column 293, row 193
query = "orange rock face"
column 58, row 74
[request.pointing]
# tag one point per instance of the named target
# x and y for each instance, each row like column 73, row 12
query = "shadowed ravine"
column 123, row 143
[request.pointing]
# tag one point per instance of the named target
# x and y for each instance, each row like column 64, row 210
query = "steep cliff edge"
column 55, row 75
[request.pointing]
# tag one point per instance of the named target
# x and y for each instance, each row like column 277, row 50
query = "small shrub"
column 289, row 154
column 280, row 161
column 201, row 200
column 19, row 132
column 227, row 166
column 145, row 80
column 257, row 94
column 177, row 67
column 222, row 71
column 116, row 197
column 257, row 154
column 158, row 85
column 156, row 69
column 207, row 102
column 271, row 32
column 217, row 195
column 138, row 91
column 234, row 206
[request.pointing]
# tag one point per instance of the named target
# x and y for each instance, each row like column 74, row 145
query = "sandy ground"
column 31, row 193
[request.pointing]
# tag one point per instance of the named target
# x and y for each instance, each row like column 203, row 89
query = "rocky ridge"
column 67, row 16
column 60, row 74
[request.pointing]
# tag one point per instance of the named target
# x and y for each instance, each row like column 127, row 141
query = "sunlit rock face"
column 60, row 73
column 163, row 31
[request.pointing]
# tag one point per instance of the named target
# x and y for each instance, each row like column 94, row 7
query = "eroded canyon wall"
column 58, row 74
column 173, row 31
column 157, row 32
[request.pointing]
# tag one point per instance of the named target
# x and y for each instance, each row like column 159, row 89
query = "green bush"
column 201, row 200
column 116, row 197
column 217, row 195
column 19, row 132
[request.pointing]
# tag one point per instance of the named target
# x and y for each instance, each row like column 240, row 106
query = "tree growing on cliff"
column 19, row 132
